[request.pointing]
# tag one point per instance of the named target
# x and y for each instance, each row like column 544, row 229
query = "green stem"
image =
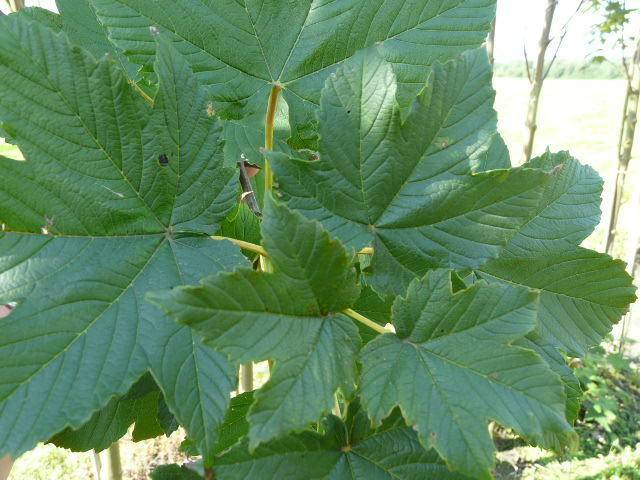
column 252, row 247
column 269, row 131
column 249, row 247
column 365, row 321
column 142, row 93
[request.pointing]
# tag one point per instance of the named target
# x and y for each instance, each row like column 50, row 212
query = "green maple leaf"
column 80, row 24
column 557, row 363
column 291, row 316
column 407, row 185
column 452, row 368
column 583, row 293
column 348, row 449
column 241, row 49
column 142, row 405
column 114, row 199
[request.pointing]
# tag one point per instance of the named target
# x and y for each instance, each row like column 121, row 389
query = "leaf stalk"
column 365, row 321
column 269, row 133
column 252, row 247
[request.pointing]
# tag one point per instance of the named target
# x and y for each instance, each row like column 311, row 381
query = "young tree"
column 541, row 70
column 612, row 31
column 491, row 42
column 15, row 5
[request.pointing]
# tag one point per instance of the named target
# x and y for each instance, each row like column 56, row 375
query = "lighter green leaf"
column 92, row 221
column 290, row 316
column 496, row 157
column 240, row 49
column 582, row 294
column 451, row 368
column 568, row 211
column 407, row 186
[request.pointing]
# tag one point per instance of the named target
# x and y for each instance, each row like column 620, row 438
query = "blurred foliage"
column 612, row 30
column 610, row 417
column 615, row 15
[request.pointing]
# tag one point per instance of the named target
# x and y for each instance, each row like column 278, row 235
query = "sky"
column 519, row 23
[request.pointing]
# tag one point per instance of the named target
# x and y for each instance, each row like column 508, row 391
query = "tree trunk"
column 633, row 267
column 625, row 147
column 108, row 464
column 538, row 79
column 5, row 462
column 5, row 467
column 15, row 5
column 491, row 42
column 246, row 378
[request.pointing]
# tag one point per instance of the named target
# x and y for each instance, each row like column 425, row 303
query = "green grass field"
column 582, row 116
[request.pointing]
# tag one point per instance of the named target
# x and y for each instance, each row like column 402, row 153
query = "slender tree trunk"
column 625, row 147
column 15, row 5
column 5, row 462
column 246, row 377
column 108, row 463
column 538, row 79
column 633, row 267
column 5, row 467
column 491, row 42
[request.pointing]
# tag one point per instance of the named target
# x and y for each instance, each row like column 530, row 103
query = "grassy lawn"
column 582, row 116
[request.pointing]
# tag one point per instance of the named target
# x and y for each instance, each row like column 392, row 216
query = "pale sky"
column 519, row 23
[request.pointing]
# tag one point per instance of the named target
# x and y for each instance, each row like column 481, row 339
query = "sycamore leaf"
column 242, row 224
column 140, row 406
column 241, row 49
column 582, row 294
column 568, row 211
column 558, row 364
column 496, row 157
column 407, row 185
column 114, row 199
column 375, row 308
column 341, row 453
column 290, row 316
column 451, row 368
column 45, row 17
column 174, row 472
column 80, row 24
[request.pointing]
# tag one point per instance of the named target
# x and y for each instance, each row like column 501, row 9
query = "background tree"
column 612, row 31
column 491, row 42
column 15, row 5
column 539, row 74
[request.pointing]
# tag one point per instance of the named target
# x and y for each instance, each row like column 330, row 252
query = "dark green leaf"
column 451, row 368
column 79, row 22
column 407, row 186
column 92, row 221
column 140, row 406
column 392, row 453
column 290, row 316
column 174, row 472
column 241, row 49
